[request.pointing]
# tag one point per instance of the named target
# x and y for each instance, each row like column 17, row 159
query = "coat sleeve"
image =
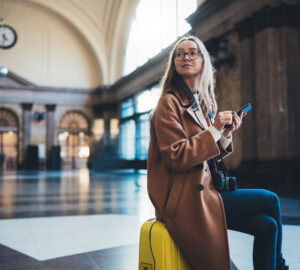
column 225, row 152
column 179, row 151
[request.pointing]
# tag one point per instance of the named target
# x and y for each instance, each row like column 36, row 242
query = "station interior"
column 79, row 81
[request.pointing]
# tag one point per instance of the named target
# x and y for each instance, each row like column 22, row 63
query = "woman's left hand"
column 236, row 124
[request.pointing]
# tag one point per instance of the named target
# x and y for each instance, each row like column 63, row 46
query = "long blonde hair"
column 171, row 79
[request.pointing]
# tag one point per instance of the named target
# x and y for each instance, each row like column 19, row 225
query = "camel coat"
column 180, row 185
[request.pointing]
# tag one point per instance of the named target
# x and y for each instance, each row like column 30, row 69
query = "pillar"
column 270, row 76
column 50, row 131
column 270, row 88
column 247, row 77
column 106, row 135
column 26, row 126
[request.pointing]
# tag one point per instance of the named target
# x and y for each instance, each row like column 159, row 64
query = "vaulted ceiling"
column 99, row 26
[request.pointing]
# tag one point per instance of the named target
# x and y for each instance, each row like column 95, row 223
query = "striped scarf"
column 190, row 96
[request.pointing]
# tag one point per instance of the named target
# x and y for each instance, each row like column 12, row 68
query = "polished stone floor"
column 73, row 220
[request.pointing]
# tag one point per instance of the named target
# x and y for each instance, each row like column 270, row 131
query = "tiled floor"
column 79, row 220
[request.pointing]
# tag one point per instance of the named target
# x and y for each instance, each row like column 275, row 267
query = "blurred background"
column 80, row 79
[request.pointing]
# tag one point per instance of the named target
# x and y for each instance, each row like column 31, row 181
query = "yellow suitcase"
column 158, row 251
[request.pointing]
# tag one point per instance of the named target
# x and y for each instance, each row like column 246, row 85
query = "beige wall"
column 48, row 51
column 68, row 43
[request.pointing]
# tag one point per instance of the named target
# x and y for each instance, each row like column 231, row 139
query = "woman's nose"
column 184, row 56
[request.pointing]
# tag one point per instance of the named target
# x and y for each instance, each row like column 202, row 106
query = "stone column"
column 50, row 130
column 276, row 45
column 270, row 76
column 26, row 127
column 106, row 135
column 271, row 97
column 290, row 66
column 247, row 76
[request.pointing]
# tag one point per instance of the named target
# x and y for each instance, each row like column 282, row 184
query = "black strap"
column 190, row 96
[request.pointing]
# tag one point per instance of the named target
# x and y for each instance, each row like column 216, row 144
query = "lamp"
column 3, row 71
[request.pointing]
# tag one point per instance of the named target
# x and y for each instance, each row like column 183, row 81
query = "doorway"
column 9, row 137
column 74, row 140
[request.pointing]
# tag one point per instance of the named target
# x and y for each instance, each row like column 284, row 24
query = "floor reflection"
column 70, row 233
column 39, row 194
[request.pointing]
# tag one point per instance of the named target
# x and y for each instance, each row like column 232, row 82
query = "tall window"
column 157, row 23
column 127, row 130
column 142, row 136
column 135, row 123
column 127, row 108
column 147, row 100
column 127, row 139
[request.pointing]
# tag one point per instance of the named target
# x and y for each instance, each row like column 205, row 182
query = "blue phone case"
column 245, row 109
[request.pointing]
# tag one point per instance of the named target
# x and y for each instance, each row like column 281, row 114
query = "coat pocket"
column 174, row 195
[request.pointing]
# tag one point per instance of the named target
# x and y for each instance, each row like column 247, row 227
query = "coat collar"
column 198, row 117
column 184, row 101
column 181, row 96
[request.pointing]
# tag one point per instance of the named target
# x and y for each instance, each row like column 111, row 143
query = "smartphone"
column 245, row 109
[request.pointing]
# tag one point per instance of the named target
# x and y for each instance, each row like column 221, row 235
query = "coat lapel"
column 199, row 120
column 182, row 97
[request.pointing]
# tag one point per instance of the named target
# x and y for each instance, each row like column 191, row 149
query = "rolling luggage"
column 158, row 251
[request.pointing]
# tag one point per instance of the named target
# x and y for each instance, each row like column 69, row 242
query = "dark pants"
column 256, row 212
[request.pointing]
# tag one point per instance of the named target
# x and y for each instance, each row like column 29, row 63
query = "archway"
column 74, row 140
column 9, row 137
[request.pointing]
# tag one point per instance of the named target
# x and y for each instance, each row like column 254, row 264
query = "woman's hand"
column 228, row 118
column 236, row 124
column 222, row 119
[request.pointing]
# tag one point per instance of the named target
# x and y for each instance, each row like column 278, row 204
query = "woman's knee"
column 271, row 225
column 267, row 226
column 271, row 197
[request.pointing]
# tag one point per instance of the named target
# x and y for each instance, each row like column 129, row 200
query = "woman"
column 186, row 132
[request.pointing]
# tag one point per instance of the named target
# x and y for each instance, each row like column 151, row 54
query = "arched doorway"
column 9, row 134
column 74, row 140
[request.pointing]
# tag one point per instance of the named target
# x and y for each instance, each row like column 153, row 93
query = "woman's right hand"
column 222, row 119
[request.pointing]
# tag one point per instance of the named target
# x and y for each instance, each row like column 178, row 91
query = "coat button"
column 200, row 187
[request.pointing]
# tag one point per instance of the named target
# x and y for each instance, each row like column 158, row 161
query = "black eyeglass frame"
column 187, row 53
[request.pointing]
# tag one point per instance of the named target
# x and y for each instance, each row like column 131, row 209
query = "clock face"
column 8, row 36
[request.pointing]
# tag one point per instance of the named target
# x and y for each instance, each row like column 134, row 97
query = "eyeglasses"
column 191, row 54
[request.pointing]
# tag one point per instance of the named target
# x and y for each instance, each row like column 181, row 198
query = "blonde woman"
column 186, row 132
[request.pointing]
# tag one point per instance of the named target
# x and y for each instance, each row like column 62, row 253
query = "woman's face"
column 188, row 59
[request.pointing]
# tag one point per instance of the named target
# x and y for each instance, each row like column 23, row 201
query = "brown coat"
column 177, row 172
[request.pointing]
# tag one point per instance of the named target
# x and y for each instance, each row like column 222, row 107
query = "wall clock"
column 8, row 36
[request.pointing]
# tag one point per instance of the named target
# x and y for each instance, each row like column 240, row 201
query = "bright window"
column 147, row 100
column 142, row 136
column 127, row 108
column 134, row 136
column 114, row 127
column 157, row 23
column 127, row 140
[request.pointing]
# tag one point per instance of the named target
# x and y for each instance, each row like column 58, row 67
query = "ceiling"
column 101, row 25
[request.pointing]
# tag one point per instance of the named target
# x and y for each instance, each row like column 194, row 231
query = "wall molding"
column 207, row 9
column 268, row 17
